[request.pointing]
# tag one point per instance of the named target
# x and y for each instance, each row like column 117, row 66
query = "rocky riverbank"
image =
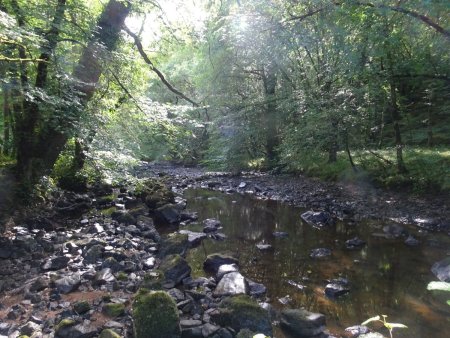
column 73, row 267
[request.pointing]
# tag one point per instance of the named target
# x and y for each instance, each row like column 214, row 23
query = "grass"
column 428, row 168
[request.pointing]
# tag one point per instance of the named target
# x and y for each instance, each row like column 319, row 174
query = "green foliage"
column 387, row 325
column 155, row 314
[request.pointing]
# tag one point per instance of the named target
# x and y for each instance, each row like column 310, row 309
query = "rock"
column 209, row 329
column 175, row 268
column 174, row 244
column 371, row 335
column 211, row 225
column 104, row 276
column 357, row 330
column 29, row 328
column 215, row 260
column 280, row 234
column 285, row 300
column 154, row 193
column 263, row 246
column 301, row 322
column 39, row 284
column 168, row 213
column 226, row 268
column 194, row 238
column 186, row 323
column 155, row 315
column 411, row 241
column 56, row 263
column 188, row 216
column 320, row 253
column 96, row 229
column 441, row 270
column 334, row 290
column 150, row 262
column 113, row 309
column 108, row 333
column 81, row 306
column 241, row 312
column 394, row 231
column 231, row 284
column 242, row 185
column 123, row 217
column 255, row 289
column 67, row 329
column 317, row 219
column 354, row 243
column 93, row 254
column 111, row 263
column 68, row 284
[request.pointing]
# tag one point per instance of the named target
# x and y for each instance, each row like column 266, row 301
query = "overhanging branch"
column 147, row 60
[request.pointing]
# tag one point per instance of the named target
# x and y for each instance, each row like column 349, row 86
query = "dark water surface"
column 386, row 276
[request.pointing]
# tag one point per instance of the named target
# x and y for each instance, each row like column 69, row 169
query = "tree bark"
column 270, row 118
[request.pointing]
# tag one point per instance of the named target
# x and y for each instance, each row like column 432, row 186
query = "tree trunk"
column 395, row 111
column 28, row 166
column 430, row 129
column 51, row 140
column 270, row 120
column 6, row 120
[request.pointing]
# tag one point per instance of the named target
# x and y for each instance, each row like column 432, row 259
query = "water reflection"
column 386, row 276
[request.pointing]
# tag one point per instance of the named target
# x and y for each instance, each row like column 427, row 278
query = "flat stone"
column 263, row 246
column 194, row 238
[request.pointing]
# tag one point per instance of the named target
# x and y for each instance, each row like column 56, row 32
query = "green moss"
column 154, row 193
column 122, row 276
column 174, row 244
column 155, row 315
column 108, row 333
column 64, row 323
column 245, row 333
column 82, row 306
column 243, row 312
column 113, row 309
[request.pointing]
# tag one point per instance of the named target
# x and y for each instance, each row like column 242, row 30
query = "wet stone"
column 302, row 322
column 317, row 219
column 354, row 243
column 357, row 330
column 320, row 253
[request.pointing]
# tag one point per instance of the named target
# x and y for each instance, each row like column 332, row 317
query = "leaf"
column 443, row 286
column 395, row 325
column 373, row 319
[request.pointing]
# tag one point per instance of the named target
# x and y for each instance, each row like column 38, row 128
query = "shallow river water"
column 386, row 276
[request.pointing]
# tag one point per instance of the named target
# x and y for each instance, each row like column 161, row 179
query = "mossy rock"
column 122, row 276
column 82, row 306
column 155, row 315
column 175, row 268
column 64, row 323
column 245, row 333
column 154, row 193
column 113, row 309
column 243, row 312
column 174, row 244
column 153, row 280
column 108, row 333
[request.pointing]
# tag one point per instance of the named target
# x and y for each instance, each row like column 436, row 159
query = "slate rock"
column 354, row 243
column 412, row 241
column 302, row 323
column 441, row 270
column 175, row 268
column 317, row 219
column 256, row 289
column 215, row 260
column 56, row 263
column 264, row 246
column 82, row 330
column 226, row 268
column 168, row 213
column 231, row 284
column 104, row 276
column 194, row 238
column 69, row 283
column 357, row 330
column 320, row 253
column 93, row 254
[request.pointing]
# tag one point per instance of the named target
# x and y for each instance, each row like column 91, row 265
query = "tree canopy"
column 322, row 87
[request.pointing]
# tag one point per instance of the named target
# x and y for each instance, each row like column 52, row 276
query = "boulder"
column 155, row 315
column 175, row 268
column 231, row 284
column 317, row 219
column 215, row 260
column 168, row 213
column 93, row 254
column 302, row 323
column 441, row 270
column 194, row 238
column 174, row 244
column 242, row 312
column 68, row 328
column 226, row 268
column 255, row 289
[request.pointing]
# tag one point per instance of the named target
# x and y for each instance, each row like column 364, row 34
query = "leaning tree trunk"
column 51, row 139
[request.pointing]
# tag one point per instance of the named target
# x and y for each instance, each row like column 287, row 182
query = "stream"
column 386, row 276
